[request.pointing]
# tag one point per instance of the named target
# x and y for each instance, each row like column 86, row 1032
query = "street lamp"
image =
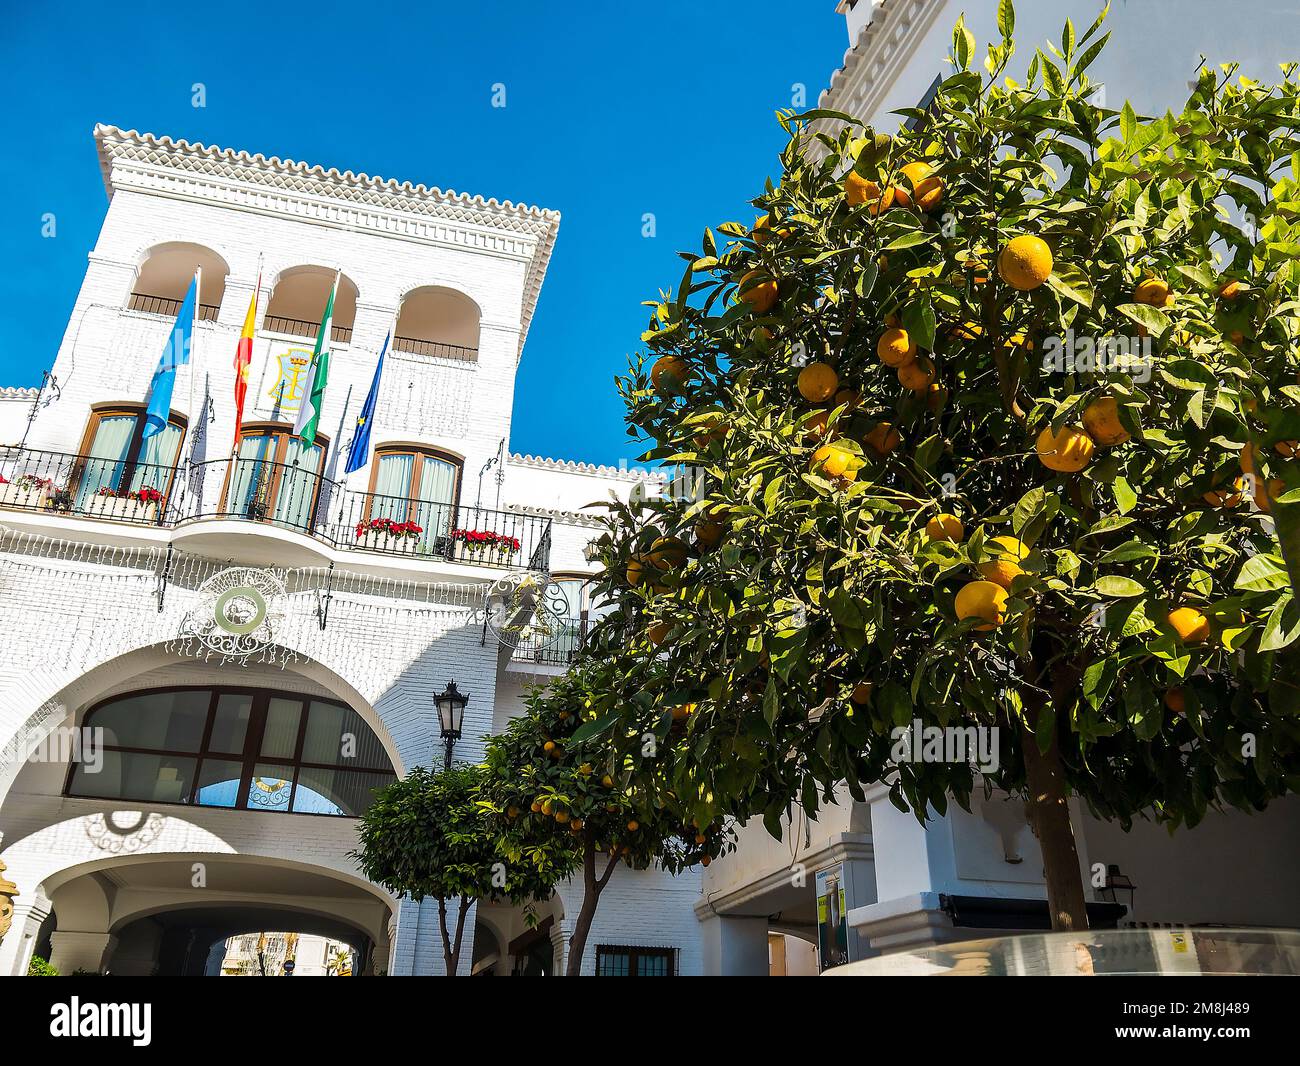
column 451, row 713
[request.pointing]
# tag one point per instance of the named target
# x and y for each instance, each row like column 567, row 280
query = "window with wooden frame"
column 275, row 477
column 116, row 457
column 241, row 748
column 635, row 961
column 414, row 484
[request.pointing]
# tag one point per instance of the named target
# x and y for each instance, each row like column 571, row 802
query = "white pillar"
column 734, row 947
column 71, row 951
column 20, row 942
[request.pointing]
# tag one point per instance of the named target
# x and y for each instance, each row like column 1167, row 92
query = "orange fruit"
column 834, row 462
column 759, row 291
column 936, row 396
column 1287, row 448
column 667, row 553
column 1025, row 263
column 848, row 398
column 1266, row 491
column 1226, row 497
column 883, row 439
column 818, row 382
column 895, row 348
column 1230, row 290
column 861, row 693
column 633, row 826
column 658, row 633
column 683, row 712
column 945, row 527
column 917, row 376
column 1067, row 451
column 1008, row 553
column 1176, row 701
column 635, row 571
column 709, row 534
column 859, row 190
column 1153, row 291
column 1101, row 420
column 1246, row 459
column 669, row 374
column 982, row 599
column 1191, row 626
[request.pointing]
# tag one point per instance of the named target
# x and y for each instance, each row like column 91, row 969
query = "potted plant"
column 126, row 505
column 383, row 534
column 475, row 544
column 27, row 490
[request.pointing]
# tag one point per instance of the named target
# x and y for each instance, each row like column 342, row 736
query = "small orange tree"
column 994, row 424
column 573, row 794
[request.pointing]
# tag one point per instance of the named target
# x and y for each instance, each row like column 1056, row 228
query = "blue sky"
column 613, row 110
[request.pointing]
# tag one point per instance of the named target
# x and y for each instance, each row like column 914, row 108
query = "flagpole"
column 194, row 348
column 257, row 296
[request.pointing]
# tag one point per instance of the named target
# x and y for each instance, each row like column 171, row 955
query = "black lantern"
column 451, row 713
column 1117, row 881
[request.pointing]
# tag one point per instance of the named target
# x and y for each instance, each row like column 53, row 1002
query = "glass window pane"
column 219, row 783
column 280, row 739
column 230, row 725
column 337, row 736
column 270, row 788
column 158, row 456
column 613, row 964
column 164, row 721
column 296, row 496
column 336, row 791
column 652, row 966
column 133, row 776
column 107, row 451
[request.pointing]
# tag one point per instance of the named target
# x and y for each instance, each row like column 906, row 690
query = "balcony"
column 271, row 494
column 435, row 349
column 298, row 327
column 161, row 305
column 558, row 647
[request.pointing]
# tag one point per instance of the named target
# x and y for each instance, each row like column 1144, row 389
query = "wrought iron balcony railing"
column 298, row 327
column 435, row 349
column 85, row 486
column 557, row 647
column 278, row 494
column 161, row 305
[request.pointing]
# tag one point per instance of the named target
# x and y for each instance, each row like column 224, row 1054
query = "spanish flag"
column 244, row 356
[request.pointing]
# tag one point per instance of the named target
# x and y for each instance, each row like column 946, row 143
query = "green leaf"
column 1071, row 282
column 1006, row 19
column 1283, row 625
column 591, row 729
column 1260, row 574
column 963, row 44
column 1151, row 318
column 1117, row 587
column 919, row 321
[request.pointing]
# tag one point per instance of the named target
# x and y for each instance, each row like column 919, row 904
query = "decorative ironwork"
column 523, row 609
column 236, row 618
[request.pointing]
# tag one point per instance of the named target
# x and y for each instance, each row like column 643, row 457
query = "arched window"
column 165, row 276
column 413, row 484
column 117, row 460
column 275, row 477
column 298, row 301
column 243, row 748
column 438, row 322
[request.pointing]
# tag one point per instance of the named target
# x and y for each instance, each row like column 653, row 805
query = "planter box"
column 121, row 509
column 379, row 541
column 12, row 495
column 488, row 555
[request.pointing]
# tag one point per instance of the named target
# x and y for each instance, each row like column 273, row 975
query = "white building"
column 255, row 662
column 967, row 875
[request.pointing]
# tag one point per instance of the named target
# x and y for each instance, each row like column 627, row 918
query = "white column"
column 20, row 942
column 734, row 947
column 71, row 951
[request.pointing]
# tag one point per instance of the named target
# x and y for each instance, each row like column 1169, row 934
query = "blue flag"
column 359, row 451
column 177, row 353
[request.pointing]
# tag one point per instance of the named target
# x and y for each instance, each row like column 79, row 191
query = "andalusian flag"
column 244, row 356
column 318, row 373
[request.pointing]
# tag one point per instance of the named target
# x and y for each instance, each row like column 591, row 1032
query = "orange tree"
column 992, row 423
column 573, row 795
column 426, row 835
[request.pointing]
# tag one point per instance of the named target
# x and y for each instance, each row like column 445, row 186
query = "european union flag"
column 359, row 450
column 177, row 353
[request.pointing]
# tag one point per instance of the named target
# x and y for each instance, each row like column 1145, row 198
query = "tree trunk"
column 592, row 888
column 1051, row 820
column 450, row 950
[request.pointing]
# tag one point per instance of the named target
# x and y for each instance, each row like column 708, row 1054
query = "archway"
column 164, row 277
